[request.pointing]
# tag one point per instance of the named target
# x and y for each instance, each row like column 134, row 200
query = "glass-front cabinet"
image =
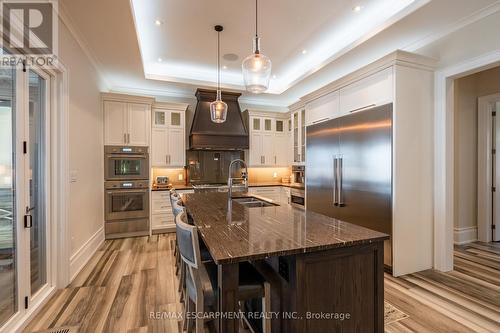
column 168, row 148
column 298, row 129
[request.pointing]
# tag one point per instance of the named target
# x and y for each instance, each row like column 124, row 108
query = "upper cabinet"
column 322, row 109
column 126, row 120
column 268, row 138
column 168, row 148
column 298, row 118
column 376, row 89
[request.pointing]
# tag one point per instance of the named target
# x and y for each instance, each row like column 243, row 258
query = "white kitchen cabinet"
column 376, row 89
column 115, row 123
column 298, row 136
column 268, row 138
column 269, row 192
column 281, row 152
column 322, row 109
column 285, row 195
column 168, row 135
column 162, row 217
column 407, row 81
column 126, row 123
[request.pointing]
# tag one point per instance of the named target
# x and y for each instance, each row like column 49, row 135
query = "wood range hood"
column 230, row 135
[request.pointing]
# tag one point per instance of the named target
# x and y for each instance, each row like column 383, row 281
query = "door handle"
column 335, row 172
column 341, row 179
column 166, row 159
column 264, row 159
column 275, row 159
column 128, row 137
column 124, row 137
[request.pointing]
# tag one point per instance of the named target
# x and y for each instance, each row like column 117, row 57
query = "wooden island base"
column 338, row 290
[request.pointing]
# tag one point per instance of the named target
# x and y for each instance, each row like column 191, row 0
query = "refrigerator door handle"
column 340, row 167
column 335, row 165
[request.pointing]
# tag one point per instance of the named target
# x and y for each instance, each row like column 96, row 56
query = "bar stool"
column 201, row 279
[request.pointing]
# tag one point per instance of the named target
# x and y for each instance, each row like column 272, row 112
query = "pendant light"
column 256, row 67
column 218, row 109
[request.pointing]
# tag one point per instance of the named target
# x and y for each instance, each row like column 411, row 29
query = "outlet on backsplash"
column 175, row 176
column 268, row 175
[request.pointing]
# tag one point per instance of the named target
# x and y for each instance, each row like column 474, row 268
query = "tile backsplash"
column 268, row 175
column 175, row 176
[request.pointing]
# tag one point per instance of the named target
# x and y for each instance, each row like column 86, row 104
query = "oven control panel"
column 136, row 184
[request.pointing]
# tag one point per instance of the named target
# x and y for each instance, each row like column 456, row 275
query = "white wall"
column 467, row 91
column 86, row 201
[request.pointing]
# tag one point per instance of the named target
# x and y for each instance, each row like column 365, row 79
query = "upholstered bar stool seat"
column 201, row 280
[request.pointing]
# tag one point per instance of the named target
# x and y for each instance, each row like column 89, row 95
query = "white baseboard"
column 465, row 235
column 84, row 253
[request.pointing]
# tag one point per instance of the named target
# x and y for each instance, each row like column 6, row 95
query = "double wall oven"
column 126, row 189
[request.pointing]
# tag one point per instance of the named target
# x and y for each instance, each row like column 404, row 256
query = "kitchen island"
column 326, row 275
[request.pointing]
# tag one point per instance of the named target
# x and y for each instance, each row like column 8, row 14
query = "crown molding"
column 457, row 25
column 128, row 98
column 170, row 106
column 67, row 20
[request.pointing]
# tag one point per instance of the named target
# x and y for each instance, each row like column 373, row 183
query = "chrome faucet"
column 244, row 178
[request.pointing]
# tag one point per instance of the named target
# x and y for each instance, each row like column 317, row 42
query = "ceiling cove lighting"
column 256, row 67
column 218, row 109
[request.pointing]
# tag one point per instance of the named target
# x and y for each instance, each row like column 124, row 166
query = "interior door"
column 322, row 149
column 496, row 176
column 138, row 124
column 115, row 122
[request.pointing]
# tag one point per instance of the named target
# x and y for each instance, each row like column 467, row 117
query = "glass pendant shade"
column 256, row 71
column 218, row 109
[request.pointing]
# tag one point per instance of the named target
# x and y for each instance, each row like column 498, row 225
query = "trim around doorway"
column 484, row 167
column 444, row 154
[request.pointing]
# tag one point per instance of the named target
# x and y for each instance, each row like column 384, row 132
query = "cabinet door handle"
column 124, row 137
column 275, row 159
column 128, row 137
column 264, row 159
column 166, row 159
column 320, row 120
column 169, row 159
column 362, row 108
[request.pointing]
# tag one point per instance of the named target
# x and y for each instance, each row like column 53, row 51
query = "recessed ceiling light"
column 274, row 76
column 304, row 51
column 158, row 22
column 160, row 59
column 357, row 8
column 224, row 67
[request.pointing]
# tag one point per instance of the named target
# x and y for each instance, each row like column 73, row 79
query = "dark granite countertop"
column 263, row 184
column 256, row 233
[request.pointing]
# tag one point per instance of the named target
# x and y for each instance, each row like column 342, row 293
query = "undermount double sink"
column 252, row 202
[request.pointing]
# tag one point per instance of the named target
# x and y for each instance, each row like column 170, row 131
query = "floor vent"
column 65, row 329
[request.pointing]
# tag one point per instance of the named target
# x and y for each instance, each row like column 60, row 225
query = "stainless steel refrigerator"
column 349, row 170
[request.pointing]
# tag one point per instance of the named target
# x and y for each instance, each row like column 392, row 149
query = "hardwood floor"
column 129, row 278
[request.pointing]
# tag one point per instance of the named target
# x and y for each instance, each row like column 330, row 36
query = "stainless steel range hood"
column 230, row 135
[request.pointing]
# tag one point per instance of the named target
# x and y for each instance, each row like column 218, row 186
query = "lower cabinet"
column 162, row 218
column 273, row 193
